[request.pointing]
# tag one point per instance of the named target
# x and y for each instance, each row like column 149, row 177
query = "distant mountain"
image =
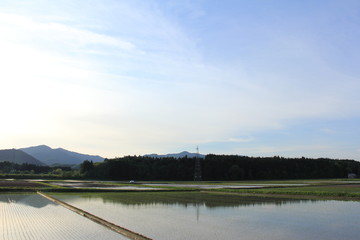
column 59, row 156
column 176, row 155
column 18, row 156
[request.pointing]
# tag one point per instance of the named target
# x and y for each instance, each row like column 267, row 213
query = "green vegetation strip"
column 114, row 227
column 335, row 191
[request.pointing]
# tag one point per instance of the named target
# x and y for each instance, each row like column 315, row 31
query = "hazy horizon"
column 134, row 77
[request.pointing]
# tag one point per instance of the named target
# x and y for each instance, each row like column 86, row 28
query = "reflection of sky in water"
column 32, row 200
column 198, row 216
column 30, row 216
column 95, row 185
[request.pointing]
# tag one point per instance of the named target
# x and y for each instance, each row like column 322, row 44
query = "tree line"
column 213, row 168
column 218, row 167
column 32, row 169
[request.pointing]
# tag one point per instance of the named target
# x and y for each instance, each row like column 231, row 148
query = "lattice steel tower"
column 197, row 173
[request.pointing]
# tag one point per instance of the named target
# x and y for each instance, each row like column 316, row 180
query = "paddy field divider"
column 123, row 231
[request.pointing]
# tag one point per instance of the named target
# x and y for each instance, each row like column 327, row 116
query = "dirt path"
column 116, row 228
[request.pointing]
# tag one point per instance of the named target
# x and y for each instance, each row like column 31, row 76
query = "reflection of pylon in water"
column 197, row 173
column 197, row 211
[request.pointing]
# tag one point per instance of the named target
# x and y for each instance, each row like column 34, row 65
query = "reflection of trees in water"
column 189, row 199
column 32, row 200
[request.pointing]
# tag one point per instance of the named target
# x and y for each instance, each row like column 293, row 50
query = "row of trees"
column 218, row 167
column 221, row 167
column 213, row 167
column 140, row 168
column 25, row 168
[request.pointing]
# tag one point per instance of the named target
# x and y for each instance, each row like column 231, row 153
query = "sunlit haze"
column 114, row 78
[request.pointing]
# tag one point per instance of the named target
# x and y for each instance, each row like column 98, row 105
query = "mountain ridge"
column 59, row 156
column 19, row 157
column 175, row 155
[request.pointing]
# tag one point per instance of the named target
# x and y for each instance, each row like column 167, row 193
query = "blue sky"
column 114, row 78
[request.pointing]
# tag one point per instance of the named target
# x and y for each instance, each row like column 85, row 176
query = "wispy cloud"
column 149, row 74
column 31, row 31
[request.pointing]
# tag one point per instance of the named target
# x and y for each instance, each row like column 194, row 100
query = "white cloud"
column 241, row 140
column 132, row 74
column 30, row 31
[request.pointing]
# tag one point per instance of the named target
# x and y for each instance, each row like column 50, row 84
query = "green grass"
column 329, row 188
column 259, row 182
column 321, row 191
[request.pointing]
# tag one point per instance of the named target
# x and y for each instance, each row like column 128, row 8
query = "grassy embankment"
column 320, row 188
column 323, row 189
column 19, row 185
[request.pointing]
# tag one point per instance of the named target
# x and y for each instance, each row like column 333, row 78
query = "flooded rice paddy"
column 30, row 216
column 219, row 186
column 213, row 216
column 96, row 185
column 121, row 185
column 177, row 215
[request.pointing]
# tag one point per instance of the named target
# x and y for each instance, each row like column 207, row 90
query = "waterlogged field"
column 30, row 216
column 210, row 210
column 216, row 216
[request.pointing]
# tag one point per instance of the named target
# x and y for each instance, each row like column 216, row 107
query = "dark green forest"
column 218, row 168
column 32, row 169
column 213, row 168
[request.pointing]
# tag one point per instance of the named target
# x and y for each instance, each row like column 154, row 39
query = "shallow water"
column 212, row 216
column 218, row 186
column 32, row 217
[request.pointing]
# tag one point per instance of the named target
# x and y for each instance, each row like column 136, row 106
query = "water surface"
column 33, row 217
column 213, row 216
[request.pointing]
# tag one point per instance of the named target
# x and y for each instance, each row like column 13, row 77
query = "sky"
column 133, row 77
